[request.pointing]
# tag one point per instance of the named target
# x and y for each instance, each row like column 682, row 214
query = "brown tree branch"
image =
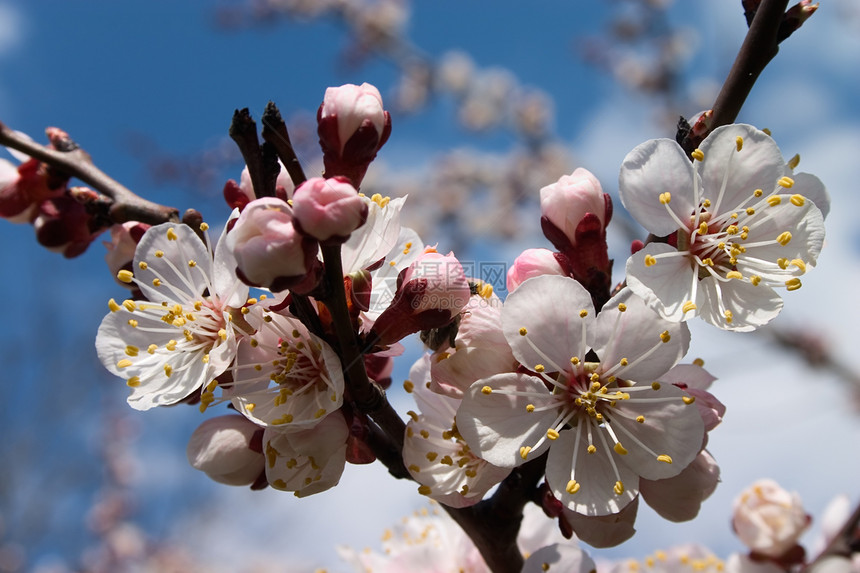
column 127, row 206
column 275, row 133
column 758, row 49
column 367, row 396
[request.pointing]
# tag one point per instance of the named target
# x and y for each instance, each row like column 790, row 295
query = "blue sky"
column 102, row 70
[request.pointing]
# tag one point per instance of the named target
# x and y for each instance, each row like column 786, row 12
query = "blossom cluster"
column 300, row 306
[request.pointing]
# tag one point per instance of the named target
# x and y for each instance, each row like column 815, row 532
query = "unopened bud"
column 768, row 519
column 431, row 292
column 269, row 251
column 565, row 203
column 64, row 226
column 531, row 263
column 328, row 210
column 222, row 448
column 352, row 126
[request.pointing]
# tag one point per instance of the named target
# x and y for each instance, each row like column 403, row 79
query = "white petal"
column 301, row 400
column 604, row 530
column 123, row 350
column 497, row 425
column 226, row 285
column 454, row 374
column 558, row 558
column 751, row 306
column 672, row 427
column 8, row 173
column 665, row 286
column 438, row 409
column 594, row 473
column 654, row 167
column 690, row 375
column 543, row 321
column 806, row 225
column 384, row 279
column 435, row 462
column 309, row 461
column 679, row 498
column 637, row 335
column 375, row 239
column 758, row 165
column 180, row 282
column 812, row 188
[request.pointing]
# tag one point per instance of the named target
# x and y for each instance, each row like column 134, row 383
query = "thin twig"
column 127, row 206
column 243, row 130
column 367, row 396
column 275, row 133
column 758, row 49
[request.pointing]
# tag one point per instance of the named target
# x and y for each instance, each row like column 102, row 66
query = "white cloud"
column 11, row 29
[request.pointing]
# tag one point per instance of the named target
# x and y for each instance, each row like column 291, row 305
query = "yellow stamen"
column 171, row 234
column 734, row 275
column 774, row 200
column 650, row 261
column 664, row 458
column 664, row 336
column 798, row 200
column 739, row 142
column 786, row 182
column 698, row 155
column 784, row 238
column 552, row 434
column 524, row 451
column 793, row 284
column 486, row 390
column 665, row 197
column 618, row 488
column 619, row 449
column 125, row 276
column 688, row 306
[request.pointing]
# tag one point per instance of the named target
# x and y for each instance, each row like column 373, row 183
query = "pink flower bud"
column 120, row 249
column 430, row 293
column 328, row 209
column 64, row 226
column 269, row 251
column 565, row 204
column 768, row 519
column 22, row 190
column 224, row 448
column 352, row 126
column 531, row 263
